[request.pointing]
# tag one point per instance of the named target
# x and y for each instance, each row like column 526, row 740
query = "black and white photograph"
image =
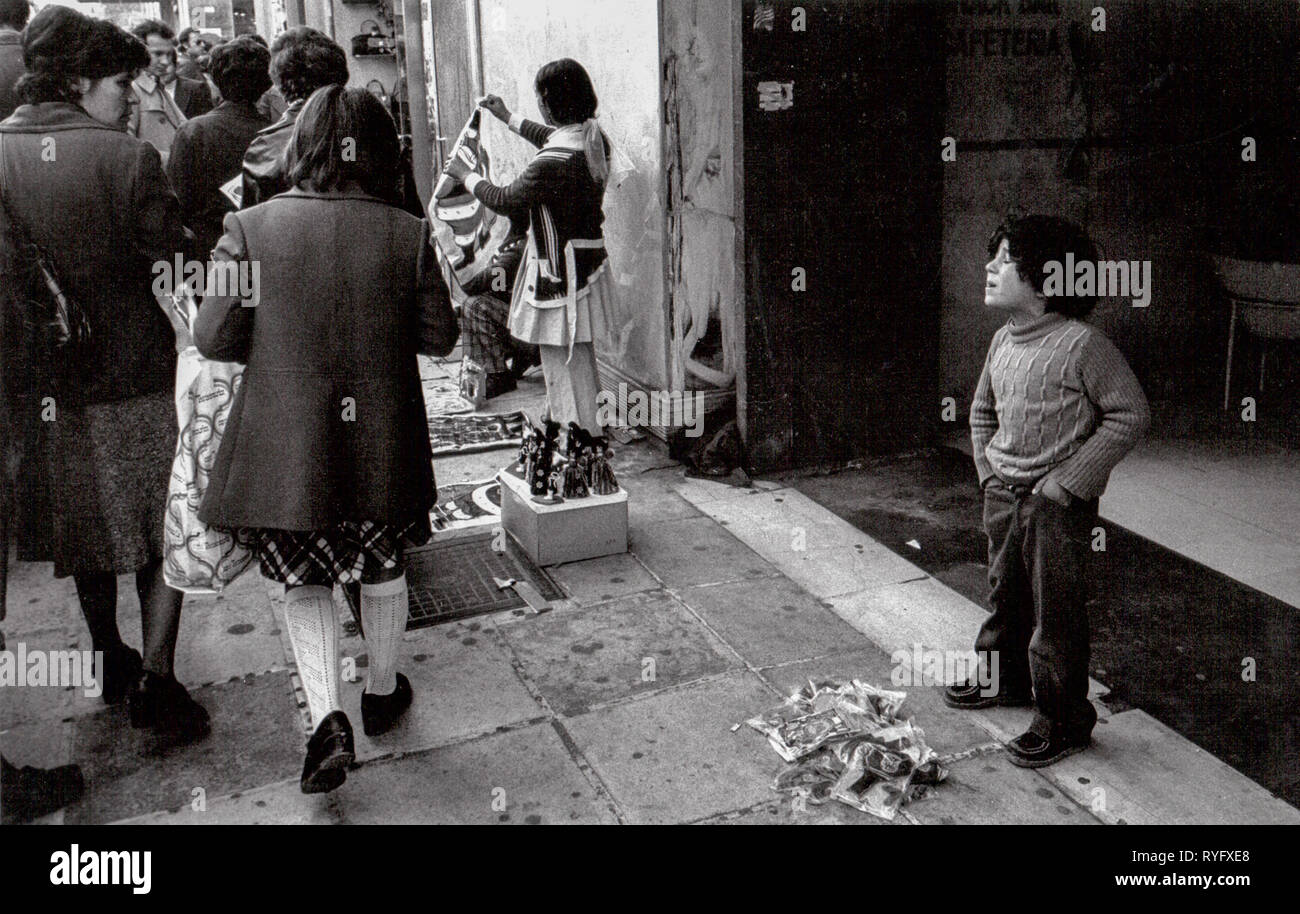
column 650, row 412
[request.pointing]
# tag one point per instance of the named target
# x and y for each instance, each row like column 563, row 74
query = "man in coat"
column 166, row 100
column 302, row 60
column 208, row 151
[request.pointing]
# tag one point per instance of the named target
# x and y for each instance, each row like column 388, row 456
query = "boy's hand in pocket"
column 1050, row 488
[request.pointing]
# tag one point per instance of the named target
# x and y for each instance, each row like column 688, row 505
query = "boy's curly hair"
column 303, row 60
column 1037, row 240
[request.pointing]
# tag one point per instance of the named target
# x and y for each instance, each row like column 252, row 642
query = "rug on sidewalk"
column 442, row 398
column 467, row 505
column 470, row 434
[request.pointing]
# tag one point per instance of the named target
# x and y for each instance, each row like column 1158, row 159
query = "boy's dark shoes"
column 1029, row 750
column 969, row 696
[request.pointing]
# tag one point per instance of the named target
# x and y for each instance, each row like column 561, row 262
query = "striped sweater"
column 563, row 204
column 1055, row 397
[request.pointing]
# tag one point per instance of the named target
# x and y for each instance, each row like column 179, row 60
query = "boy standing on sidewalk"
column 1056, row 409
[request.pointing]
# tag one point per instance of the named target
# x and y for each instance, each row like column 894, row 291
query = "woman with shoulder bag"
column 90, row 205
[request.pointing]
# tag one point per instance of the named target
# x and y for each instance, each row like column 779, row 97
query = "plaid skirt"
column 299, row 557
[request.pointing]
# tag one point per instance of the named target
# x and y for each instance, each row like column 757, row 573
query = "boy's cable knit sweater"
column 1055, row 397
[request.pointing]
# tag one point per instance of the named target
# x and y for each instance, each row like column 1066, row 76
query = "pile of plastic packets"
column 846, row 742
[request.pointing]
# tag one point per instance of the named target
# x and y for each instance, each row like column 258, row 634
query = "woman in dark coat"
column 325, row 464
column 100, row 424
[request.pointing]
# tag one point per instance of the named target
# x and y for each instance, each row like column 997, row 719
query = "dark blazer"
column 206, row 153
column 187, row 67
column 104, row 213
column 11, row 67
column 329, row 423
column 263, row 164
column 192, row 96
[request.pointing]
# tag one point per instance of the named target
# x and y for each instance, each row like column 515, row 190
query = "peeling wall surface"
column 618, row 45
column 698, row 81
column 1135, row 132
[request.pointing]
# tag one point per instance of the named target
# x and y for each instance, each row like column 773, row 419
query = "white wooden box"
column 571, row 531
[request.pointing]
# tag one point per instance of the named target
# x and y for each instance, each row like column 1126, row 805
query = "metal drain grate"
column 452, row 580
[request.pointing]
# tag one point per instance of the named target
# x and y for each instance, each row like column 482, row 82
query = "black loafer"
column 330, row 753
column 160, row 703
column 122, row 669
column 380, row 712
column 30, row 793
column 969, row 696
column 1029, row 750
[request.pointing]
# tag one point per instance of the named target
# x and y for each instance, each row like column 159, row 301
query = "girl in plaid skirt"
column 325, row 465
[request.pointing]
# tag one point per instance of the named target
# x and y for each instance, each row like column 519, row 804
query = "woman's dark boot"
column 122, row 669
column 160, row 703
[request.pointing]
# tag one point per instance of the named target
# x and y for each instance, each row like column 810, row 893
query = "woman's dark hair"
column 566, row 88
column 61, row 45
column 14, row 13
column 303, row 60
column 1034, row 241
column 344, row 135
column 241, row 70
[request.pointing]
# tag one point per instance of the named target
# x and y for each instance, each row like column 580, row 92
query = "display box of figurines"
column 563, row 506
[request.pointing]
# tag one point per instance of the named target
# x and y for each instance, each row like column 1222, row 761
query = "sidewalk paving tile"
column 772, row 621
column 584, row 657
column 782, row 811
column 282, row 803
column 989, row 790
column 845, row 570
column 650, row 504
column 526, row 776
column 256, row 739
column 28, row 703
column 464, row 685
column 601, row 580
column 230, row 636
column 696, row 551
column 39, row 601
column 1141, row 772
column 673, row 757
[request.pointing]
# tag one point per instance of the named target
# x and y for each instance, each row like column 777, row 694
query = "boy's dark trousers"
column 1038, row 553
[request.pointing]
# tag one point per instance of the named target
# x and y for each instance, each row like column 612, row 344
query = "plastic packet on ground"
column 864, row 787
column 821, row 712
column 811, row 778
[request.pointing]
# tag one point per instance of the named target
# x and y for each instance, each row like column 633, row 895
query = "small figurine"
column 554, row 483
column 545, row 458
column 602, row 474
column 575, row 480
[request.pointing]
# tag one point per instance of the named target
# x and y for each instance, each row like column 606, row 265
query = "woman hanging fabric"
column 566, row 292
